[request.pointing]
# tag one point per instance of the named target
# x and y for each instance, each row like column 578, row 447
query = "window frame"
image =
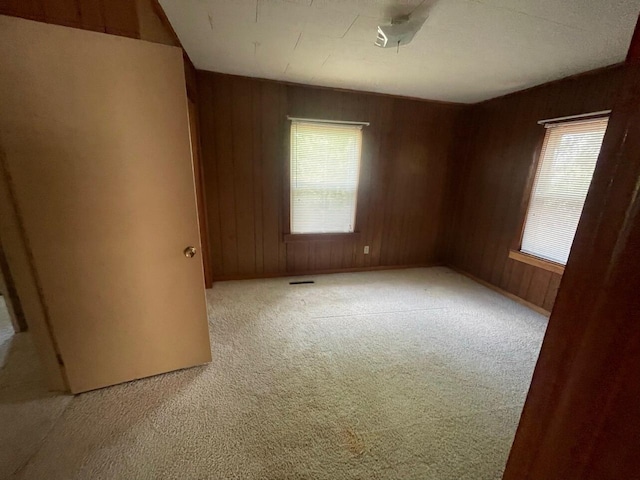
column 515, row 252
column 289, row 237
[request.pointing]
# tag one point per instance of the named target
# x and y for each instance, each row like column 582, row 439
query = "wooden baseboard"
column 258, row 276
column 320, row 272
column 513, row 297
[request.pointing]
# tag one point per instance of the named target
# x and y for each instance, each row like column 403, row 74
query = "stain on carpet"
column 355, row 443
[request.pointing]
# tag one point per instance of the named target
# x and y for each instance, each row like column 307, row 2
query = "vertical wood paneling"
column 243, row 173
column 552, row 291
column 403, row 169
column 62, row 12
column 198, row 174
column 538, row 287
column 281, row 161
column 91, row 15
column 224, row 160
column 256, row 141
column 121, row 18
column 492, row 172
column 118, row 17
column 381, row 171
column 404, row 215
column 210, row 170
column 31, row 9
column 582, row 415
column 365, row 197
column 271, row 149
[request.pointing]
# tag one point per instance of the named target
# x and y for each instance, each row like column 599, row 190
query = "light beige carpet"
column 405, row 374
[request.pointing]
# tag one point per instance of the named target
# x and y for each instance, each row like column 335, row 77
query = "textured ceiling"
column 467, row 51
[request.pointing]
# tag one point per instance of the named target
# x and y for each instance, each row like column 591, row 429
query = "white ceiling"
column 467, row 51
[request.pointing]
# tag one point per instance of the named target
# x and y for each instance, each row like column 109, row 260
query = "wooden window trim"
column 289, row 237
column 286, row 180
column 516, row 245
column 536, row 261
column 528, row 190
column 320, row 237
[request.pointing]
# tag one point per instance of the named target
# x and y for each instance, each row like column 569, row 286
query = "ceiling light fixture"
column 400, row 32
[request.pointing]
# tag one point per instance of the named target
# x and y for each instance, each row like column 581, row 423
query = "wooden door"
column 98, row 162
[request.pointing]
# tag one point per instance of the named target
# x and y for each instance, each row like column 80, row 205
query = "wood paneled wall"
column 582, row 416
column 142, row 19
column 118, row 17
column 496, row 144
column 439, row 183
column 244, row 137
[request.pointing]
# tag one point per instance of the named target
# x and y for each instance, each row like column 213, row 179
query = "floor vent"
column 301, row 282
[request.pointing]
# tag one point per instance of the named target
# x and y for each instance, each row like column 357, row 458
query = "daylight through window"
column 566, row 166
column 325, row 166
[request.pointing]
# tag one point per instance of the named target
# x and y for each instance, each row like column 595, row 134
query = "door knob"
column 189, row 252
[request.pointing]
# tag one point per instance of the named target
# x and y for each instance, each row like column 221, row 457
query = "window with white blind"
column 325, row 166
column 565, row 169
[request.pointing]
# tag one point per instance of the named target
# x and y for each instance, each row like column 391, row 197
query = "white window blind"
column 325, row 166
column 566, row 166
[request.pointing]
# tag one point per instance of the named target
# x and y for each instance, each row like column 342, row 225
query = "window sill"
column 320, row 237
column 536, row 261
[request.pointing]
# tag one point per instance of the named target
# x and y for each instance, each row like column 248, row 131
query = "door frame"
column 20, row 262
column 198, row 177
column 19, row 258
column 11, row 300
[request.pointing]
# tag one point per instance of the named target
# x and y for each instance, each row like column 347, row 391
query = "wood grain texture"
column 142, row 19
column 110, row 16
column 513, row 297
column 536, row 261
column 245, row 137
column 493, row 161
column 198, row 179
column 582, row 416
column 320, row 237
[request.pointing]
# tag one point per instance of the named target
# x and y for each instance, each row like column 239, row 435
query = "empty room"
column 319, row 239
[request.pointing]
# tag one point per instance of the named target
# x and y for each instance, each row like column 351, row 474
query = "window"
column 565, row 169
column 325, row 166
